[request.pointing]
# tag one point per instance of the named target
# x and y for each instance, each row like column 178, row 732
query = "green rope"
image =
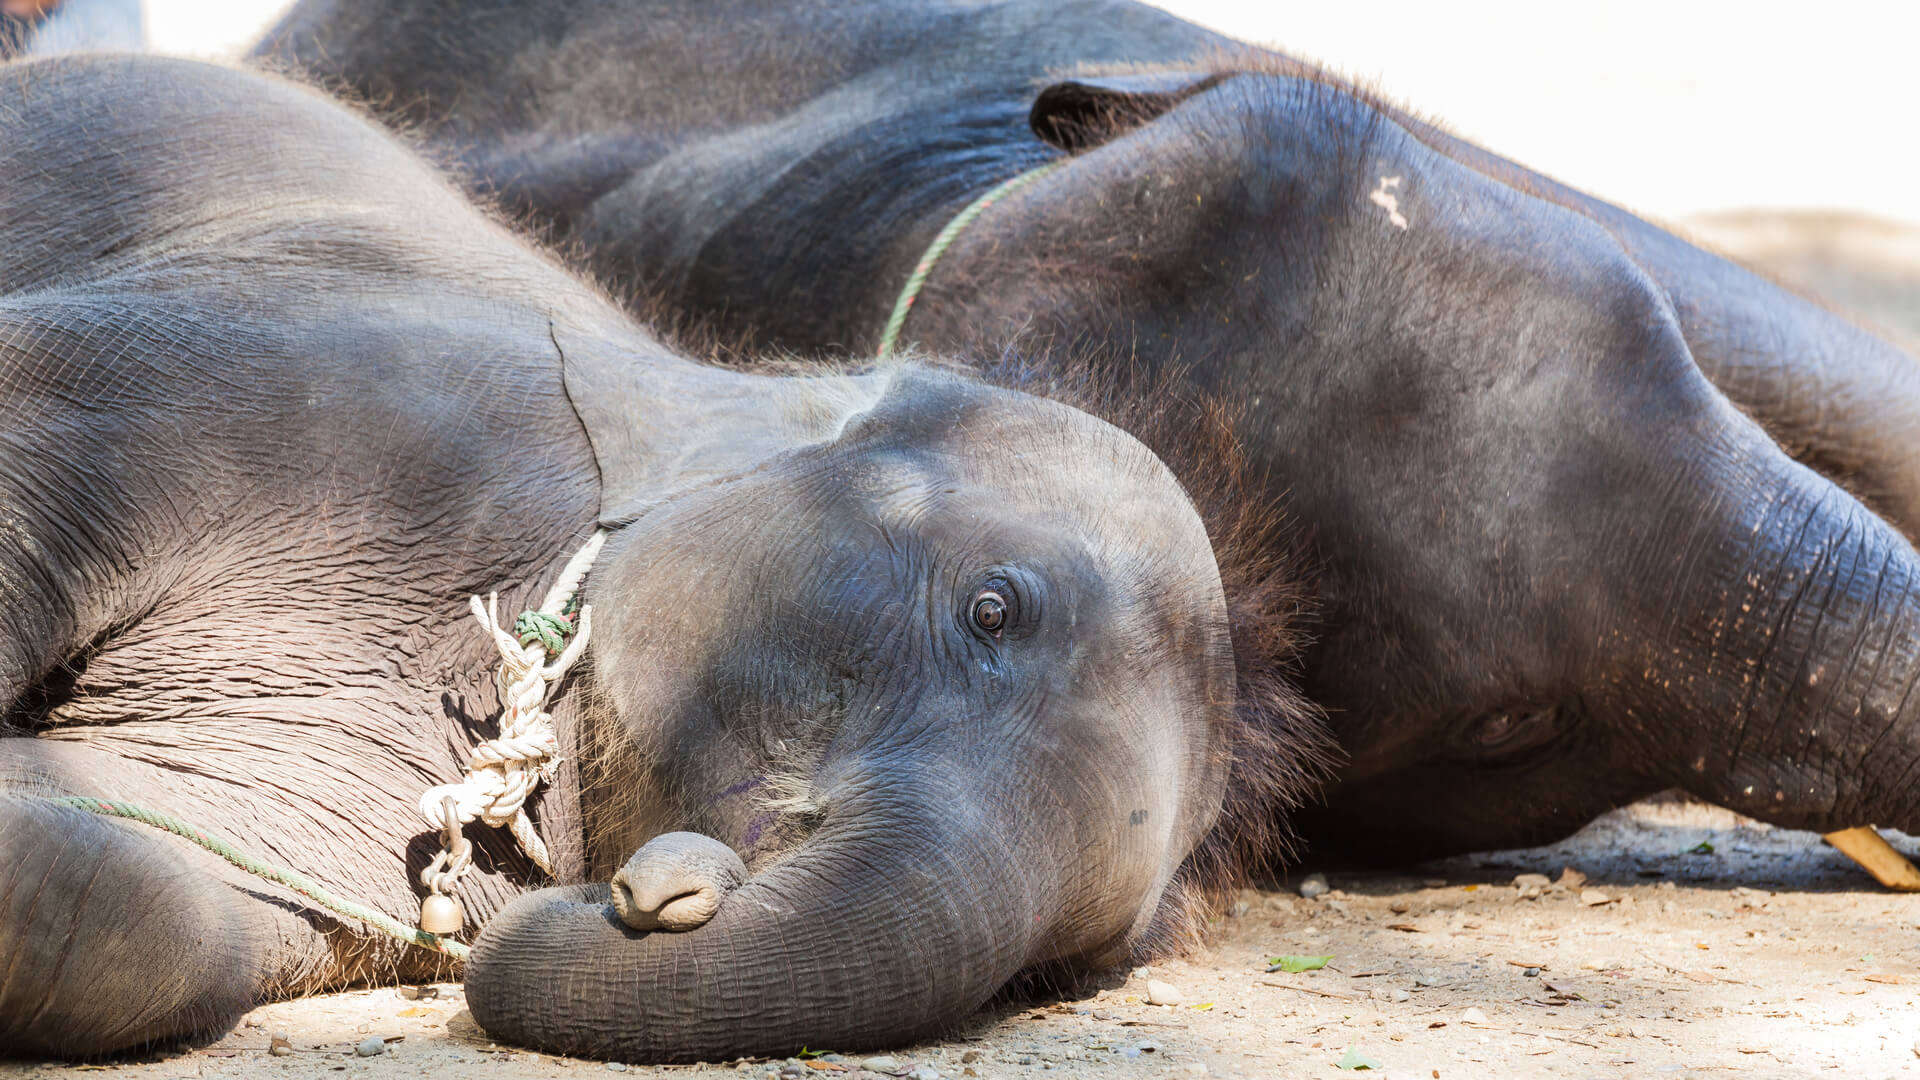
column 392, row 927
column 551, row 631
column 898, row 320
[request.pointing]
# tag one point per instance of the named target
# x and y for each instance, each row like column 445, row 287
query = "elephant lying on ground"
column 1555, row 461
column 947, row 666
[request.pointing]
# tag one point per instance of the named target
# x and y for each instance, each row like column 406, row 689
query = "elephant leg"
column 111, row 938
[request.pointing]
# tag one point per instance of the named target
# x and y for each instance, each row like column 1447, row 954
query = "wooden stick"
column 1871, row 850
column 1308, row 990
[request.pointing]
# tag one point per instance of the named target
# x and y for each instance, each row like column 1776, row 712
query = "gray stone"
column 1314, row 885
column 371, row 1046
column 924, row 1072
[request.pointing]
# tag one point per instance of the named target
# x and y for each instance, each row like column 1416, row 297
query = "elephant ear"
column 660, row 423
column 1083, row 113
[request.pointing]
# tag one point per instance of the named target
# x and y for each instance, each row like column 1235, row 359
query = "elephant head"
column 935, row 692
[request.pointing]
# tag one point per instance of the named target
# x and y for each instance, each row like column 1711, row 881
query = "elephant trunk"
column 879, row 929
column 1806, row 709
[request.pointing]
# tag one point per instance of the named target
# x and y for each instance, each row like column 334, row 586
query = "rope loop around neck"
column 890, row 337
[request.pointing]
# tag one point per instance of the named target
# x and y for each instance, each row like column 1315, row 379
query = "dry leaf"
column 1404, row 927
column 1892, row 980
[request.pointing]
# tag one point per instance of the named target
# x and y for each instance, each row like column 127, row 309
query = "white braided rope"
column 504, row 771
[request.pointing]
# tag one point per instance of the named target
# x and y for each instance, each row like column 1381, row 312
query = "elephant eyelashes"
column 990, row 612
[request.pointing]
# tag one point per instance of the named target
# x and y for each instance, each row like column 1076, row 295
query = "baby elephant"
column 900, row 685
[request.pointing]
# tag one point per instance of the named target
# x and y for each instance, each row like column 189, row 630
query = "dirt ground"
column 1768, row 955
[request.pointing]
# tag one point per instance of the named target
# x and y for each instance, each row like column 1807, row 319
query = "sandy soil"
column 1769, row 955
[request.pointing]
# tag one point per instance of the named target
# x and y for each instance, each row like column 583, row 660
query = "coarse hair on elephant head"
column 957, row 732
column 1273, row 747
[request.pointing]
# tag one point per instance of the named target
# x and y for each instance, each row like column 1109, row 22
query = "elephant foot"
column 111, row 938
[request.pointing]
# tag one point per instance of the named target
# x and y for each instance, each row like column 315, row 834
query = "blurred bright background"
column 1671, row 107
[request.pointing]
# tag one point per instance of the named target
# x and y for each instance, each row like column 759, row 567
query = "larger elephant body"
column 1597, row 512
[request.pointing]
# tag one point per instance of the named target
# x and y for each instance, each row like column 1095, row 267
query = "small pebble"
column 1530, row 886
column 1314, row 885
column 1473, row 1015
column 371, row 1046
column 1402, row 995
column 1159, row 993
column 1594, row 897
column 883, row 1063
column 614, row 1066
column 280, row 1048
column 970, row 1057
column 1531, row 973
column 924, row 1072
column 281, row 1034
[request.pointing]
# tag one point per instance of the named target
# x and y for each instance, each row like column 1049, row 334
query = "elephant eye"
column 1515, row 728
column 990, row 612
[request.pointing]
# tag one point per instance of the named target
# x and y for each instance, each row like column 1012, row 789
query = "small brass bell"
column 441, row 914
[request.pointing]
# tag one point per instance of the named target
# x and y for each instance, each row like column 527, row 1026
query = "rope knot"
column 551, row 631
column 503, row 772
